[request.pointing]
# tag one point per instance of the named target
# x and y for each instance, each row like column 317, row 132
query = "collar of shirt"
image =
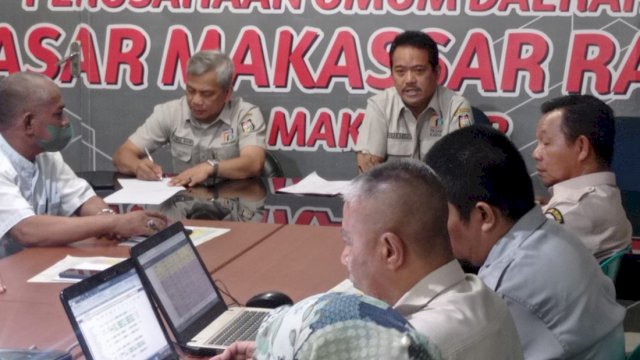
column 224, row 116
column 26, row 171
column 504, row 250
column 425, row 290
column 400, row 106
column 23, row 167
column 579, row 182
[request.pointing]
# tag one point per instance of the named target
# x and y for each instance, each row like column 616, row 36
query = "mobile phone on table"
column 74, row 273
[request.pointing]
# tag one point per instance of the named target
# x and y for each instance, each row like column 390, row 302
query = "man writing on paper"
column 404, row 121
column 211, row 134
column 39, row 193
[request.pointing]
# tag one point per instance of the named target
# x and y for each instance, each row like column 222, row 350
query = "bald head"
column 20, row 92
column 406, row 198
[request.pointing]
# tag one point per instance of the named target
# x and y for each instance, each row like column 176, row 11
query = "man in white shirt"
column 397, row 249
column 573, row 157
column 42, row 201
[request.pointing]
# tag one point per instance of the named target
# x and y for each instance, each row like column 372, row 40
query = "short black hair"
column 479, row 163
column 416, row 39
column 589, row 116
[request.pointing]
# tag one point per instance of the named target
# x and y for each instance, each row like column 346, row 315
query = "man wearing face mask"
column 42, row 201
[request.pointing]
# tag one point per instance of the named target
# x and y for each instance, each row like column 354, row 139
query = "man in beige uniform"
column 406, row 120
column 211, row 134
column 575, row 145
column 397, row 249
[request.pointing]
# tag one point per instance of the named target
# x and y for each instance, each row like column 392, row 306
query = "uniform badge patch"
column 463, row 120
column 435, row 125
column 247, row 125
column 555, row 214
column 227, row 136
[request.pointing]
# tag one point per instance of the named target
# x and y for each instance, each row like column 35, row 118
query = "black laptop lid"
column 174, row 273
column 114, row 318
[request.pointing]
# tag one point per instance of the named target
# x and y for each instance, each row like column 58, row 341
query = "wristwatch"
column 214, row 163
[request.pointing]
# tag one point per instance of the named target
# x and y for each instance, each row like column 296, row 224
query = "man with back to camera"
column 42, row 201
column 397, row 249
column 573, row 158
column 211, row 134
column 563, row 305
column 406, row 120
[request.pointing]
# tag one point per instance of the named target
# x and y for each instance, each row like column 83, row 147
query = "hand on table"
column 366, row 161
column 239, row 350
column 192, row 176
column 139, row 223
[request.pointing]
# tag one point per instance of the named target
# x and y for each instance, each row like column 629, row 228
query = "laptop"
column 113, row 317
column 187, row 297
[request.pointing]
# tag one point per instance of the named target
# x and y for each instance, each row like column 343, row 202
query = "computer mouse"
column 269, row 300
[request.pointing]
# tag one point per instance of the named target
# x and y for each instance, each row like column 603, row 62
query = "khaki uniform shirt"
column 390, row 130
column 463, row 317
column 239, row 124
column 590, row 206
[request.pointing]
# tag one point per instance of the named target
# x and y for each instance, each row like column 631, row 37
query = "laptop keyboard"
column 245, row 327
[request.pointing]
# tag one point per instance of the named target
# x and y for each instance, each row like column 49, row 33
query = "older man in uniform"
column 211, row 134
column 406, row 120
column 397, row 249
column 573, row 157
column 563, row 305
column 42, row 201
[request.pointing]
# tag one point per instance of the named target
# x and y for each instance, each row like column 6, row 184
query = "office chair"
column 611, row 265
column 635, row 355
column 479, row 117
column 272, row 167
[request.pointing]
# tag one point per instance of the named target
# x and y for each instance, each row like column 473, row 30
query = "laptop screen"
column 179, row 280
column 117, row 320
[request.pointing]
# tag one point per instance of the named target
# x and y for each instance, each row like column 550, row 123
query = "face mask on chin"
column 59, row 138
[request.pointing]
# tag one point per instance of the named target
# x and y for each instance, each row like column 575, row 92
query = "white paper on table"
column 202, row 234
column 199, row 235
column 73, row 262
column 136, row 191
column 313, row 184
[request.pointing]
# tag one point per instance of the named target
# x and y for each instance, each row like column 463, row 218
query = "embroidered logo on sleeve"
column 247, row 125
column 555, row 214
column 464, row 120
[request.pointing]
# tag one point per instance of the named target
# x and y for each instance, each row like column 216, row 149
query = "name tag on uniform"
column 399, row 136
column 181, row 140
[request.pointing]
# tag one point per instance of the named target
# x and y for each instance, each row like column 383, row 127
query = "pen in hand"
column 151, row 159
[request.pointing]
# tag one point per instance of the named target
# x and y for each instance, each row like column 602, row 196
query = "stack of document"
column 313, row 184
column 136, row 191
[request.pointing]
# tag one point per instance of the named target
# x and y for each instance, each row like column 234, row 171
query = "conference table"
column 250, row 200
column 299, row 260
